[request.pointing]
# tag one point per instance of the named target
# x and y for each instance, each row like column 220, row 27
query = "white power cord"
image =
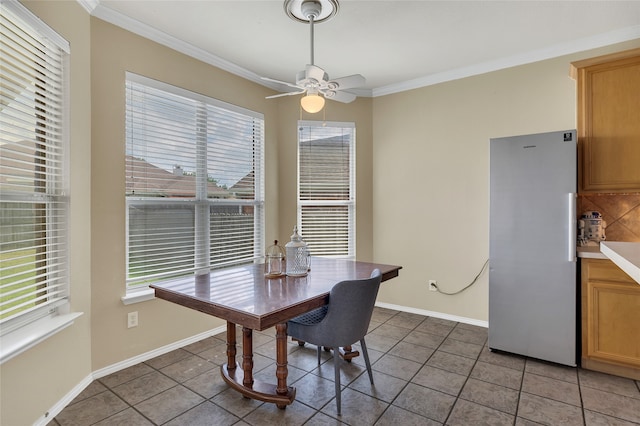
column 468, row 285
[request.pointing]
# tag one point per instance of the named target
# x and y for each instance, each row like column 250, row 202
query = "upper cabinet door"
column 609, row 122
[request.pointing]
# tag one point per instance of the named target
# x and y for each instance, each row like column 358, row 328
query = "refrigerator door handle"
column 572, row 220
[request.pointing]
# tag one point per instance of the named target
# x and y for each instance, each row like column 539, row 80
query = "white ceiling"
column 396, row 45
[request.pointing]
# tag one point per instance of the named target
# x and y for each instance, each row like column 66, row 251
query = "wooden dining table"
column 242, row 295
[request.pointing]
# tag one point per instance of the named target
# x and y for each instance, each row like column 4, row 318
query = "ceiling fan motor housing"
column 303, row 79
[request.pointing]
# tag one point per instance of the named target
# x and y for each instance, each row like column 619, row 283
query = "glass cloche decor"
column 297, row 255
column 274, row 261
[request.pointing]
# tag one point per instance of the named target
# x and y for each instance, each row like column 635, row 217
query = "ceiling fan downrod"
column 311, row 9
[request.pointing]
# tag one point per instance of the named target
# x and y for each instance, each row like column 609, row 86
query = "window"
column 326, row 187
column 34, row 271
column 194, row 183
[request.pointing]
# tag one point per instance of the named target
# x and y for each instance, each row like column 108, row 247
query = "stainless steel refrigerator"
column 532, row 246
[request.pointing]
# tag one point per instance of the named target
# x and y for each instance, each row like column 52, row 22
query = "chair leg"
column 319, row 350
column 366, row 359
column 336, row 368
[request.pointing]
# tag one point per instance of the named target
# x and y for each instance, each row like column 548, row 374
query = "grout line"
column 315, row 411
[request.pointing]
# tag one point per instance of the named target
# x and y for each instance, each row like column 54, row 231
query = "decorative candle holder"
column 274, row 261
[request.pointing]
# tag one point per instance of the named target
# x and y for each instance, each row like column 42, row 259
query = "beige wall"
column 358, row 112
column 431, row 185
column 115, row 51
column 34, row 381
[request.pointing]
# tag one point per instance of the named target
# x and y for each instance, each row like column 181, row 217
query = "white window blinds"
column 326, row 187
column 34, row 273
column 194, row 182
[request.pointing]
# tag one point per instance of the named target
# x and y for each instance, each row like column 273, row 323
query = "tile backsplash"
column 621, row 212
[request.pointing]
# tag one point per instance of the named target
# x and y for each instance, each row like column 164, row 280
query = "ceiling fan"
column 313, row 80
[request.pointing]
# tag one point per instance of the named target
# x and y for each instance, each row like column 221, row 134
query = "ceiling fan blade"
column 348, row 82
column 315, row 72
column 280, row 82
column 339, row 96
column 285, row 94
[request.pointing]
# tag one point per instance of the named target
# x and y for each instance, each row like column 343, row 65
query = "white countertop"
column 624, row 254
column 591, row 252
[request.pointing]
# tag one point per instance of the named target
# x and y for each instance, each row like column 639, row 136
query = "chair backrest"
column 350, row 308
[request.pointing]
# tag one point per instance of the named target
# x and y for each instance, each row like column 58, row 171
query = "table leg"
column 247, row 356
column 241, row 379
column 231, row 346
column 282, row 370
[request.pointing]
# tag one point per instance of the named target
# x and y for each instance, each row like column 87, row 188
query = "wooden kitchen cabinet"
column 609, row 122
column 610, row 319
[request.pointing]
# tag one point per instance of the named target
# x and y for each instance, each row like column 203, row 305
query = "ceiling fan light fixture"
column 312, row 103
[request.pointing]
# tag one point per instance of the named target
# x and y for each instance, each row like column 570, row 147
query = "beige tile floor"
column 427, row 371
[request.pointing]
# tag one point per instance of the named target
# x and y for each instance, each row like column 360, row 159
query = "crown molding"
column 588, row 43
column 146, row 31
column 89, row 5
column 116, row 18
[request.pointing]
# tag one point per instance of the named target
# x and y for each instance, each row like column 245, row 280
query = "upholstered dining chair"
column 343, row 321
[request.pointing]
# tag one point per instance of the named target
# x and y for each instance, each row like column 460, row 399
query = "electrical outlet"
column 132, row 319
column 433, row 285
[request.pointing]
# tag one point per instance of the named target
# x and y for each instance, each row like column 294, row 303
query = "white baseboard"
column 440, row 315
column 56, row 409
column 156, row 352
column 60, row 405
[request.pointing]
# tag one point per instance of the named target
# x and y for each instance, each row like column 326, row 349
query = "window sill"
column 18, row 341
column 138, row 296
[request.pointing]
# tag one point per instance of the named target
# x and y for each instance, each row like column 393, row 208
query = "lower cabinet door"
column 611, row 326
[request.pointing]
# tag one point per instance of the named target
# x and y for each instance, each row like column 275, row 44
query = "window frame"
column 200, row 201
column 25, row 328
column 350, row 203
